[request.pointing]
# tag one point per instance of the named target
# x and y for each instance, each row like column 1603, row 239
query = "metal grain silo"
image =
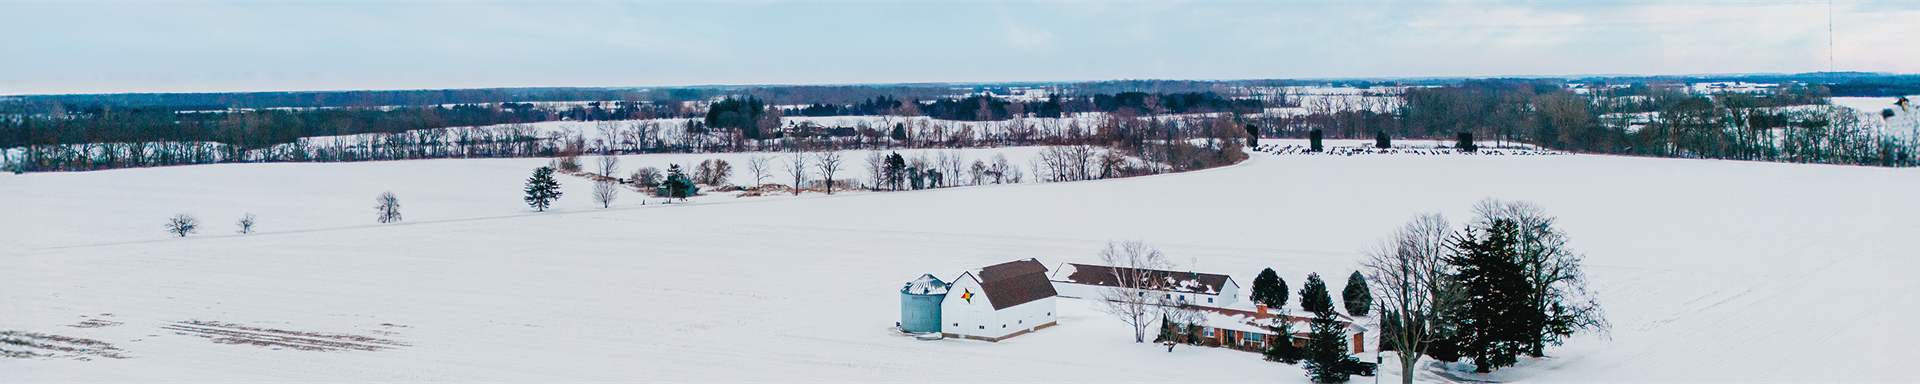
column 920, row 304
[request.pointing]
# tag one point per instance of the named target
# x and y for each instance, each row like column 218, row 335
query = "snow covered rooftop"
column 1171, row 281
column 926, row 285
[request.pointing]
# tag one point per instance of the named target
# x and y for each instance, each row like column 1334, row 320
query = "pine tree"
column 896, row 170
column 1466, row 142
column 1313, row 140
column 542, row 189
column 1194, row 335
column 1269, row 289
column 1281, row 349
column 1313, row 295
column 677, row 184
column 1168, row 333
column 1382, row 141
column 1359, row 299
column 1492, row 325
column 1326, row 352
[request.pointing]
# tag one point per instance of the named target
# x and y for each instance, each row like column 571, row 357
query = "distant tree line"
column 1794, row 123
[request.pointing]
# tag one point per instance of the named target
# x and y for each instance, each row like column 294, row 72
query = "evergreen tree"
column 1382, row 141
column 1313, row 140
column 1253, row 135
column 1466, row 142
column 1281, row 348
column 542, row 189
column 1194, row 336
column 896, row 170
column 1359, row 299
column 677, row 184
column 1313, row 295
column 1169, row 334
column 1326, row 352
column 1269, row 289
column 1493, row 321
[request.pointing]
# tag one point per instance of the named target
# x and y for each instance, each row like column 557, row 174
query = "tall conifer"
column 1269, row 289
column 1494, row 319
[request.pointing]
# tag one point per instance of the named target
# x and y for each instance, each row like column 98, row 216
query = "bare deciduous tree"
column 604, row 191
column 714, row 172
column 646, row 178
column 828, row 162
column 998, row 171
column 183, row 224
column 1135, row 300
column 797, row 166
column 978, row 173
column 388, row 207
column 245, row 224
column 1559, row 287
column 757, row 165
column 1414, row 291
column 609, row 165
column 877, row 168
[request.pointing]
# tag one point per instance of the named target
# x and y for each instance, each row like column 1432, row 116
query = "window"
column 1183, row 297
column 1169, row 295
column 956, row 324
column 1209, row 300
column 1020, row 322
column 1003, row 326
column 983, row 327
column 1209, row 332
column 1049, row 313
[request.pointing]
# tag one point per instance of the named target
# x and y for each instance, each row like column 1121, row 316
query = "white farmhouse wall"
column 1077, row 291
column 1228, row 295
column 978, row 318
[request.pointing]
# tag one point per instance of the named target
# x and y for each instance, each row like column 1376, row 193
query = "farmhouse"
column 999, row 301
column 1252, row 330
column 1199, row 289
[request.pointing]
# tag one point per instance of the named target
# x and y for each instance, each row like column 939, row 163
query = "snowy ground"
column 1709, row 270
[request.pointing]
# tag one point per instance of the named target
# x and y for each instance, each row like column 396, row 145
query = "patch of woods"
column 1505, row 285
column 44, row 134
column 1792, row 123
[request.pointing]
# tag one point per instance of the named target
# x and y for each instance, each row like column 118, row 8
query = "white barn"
column 999, row 301
column 1083, row 281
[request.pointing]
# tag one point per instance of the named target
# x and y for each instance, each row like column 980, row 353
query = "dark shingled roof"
column 1190, row 282
column 1015, row 282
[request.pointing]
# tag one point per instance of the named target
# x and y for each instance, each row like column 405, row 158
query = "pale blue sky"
column 210, row 46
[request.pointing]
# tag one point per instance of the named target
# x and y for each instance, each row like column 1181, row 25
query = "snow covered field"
column 1709, row 270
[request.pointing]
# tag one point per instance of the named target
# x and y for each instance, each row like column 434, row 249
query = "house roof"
column 1254, row 322
column 1014, row 283
column 1171, row 281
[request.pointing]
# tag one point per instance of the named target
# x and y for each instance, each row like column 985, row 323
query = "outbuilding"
column 1083, row 281
column 998, row 302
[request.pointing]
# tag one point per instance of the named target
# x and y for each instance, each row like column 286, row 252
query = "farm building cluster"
column 1006, row 300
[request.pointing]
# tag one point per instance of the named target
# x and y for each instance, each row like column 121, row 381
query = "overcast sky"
column 201, row 46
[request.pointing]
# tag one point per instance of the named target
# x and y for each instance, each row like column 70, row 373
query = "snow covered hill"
column 1709, row 270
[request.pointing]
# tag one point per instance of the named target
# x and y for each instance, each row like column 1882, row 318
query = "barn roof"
column 1014, row 283
column 1105, row 276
